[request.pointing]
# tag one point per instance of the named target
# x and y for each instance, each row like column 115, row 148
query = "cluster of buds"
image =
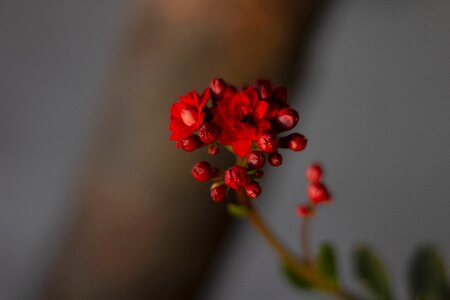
column 317, row 191
column 246, row 122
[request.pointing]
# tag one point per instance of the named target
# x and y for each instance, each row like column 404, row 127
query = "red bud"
column 272, row 111
column 203, row 171
column 318, row 193
column 218, row 192
column 256, row 159
column 304, row 210
column 286, row 118
column 190, row 143
column 209, row 132
column 236, row 177
column 264, row 87
column 294, row 141
column 267, row 142
column 314, row 173
column 279, row 94
column 218, row 87
column 259, row 173
column 213, row 149
column 253, row 190
column 275, row 159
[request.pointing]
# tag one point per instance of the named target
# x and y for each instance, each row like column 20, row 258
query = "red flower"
column 186, row 116
column 241, row 117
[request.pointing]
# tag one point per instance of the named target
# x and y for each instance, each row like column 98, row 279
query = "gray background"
column 375, row 107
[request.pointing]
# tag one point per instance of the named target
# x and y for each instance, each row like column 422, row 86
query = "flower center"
column 189, row 116
column 246, row 110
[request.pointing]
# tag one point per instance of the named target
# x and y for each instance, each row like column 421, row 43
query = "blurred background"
column 97, row 204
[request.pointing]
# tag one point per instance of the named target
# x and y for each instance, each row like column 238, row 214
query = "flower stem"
column 304, row 269
column 304, row 240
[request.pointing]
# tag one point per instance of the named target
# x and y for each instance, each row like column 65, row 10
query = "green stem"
column 302, row 268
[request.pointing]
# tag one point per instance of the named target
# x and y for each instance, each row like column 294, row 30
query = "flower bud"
column 218, row 192
column 304, row 210
column 272, row 111
column 318, row 193
column 236, row 177
column 275, row 159
column 314, row 173
column 294, row 141
column 213, row 149
column 203, row 171
column 253, row 190
column 286, row 118
column 279, row 94
column 259, row 173
column 190, row 143
column 267, row 142
column 264, row 87
column 256, row 159
column 218, row 87
column 209, row 132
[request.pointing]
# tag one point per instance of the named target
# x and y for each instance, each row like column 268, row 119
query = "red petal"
column 242, row 147
column 204, row 99
column 190, row 99
column 260, row 110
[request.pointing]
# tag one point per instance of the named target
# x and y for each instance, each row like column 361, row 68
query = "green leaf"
column 370, row 271
column 326, row 263
column 427, row 277
column 239, row 211
column 294, row 278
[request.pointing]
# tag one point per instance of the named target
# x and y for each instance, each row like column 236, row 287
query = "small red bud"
column 253, row 190
column 279, row 94
column 218, row 87
column 267, row 142
column 259, row 173
column 286, row 118
column 236, row 177
column 275, row 159
column 203, row 171
column 318, row 193
column 213, row 149
column 294, row 141
column 304, row 210
column 218, row 192
column 190, row 143
column 256, row 159
column 264, row 87
column 209, row 132
column 314, row 173
column 272, row 111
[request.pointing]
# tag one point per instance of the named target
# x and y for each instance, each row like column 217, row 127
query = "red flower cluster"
column 247, row 122
column 317, row 191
